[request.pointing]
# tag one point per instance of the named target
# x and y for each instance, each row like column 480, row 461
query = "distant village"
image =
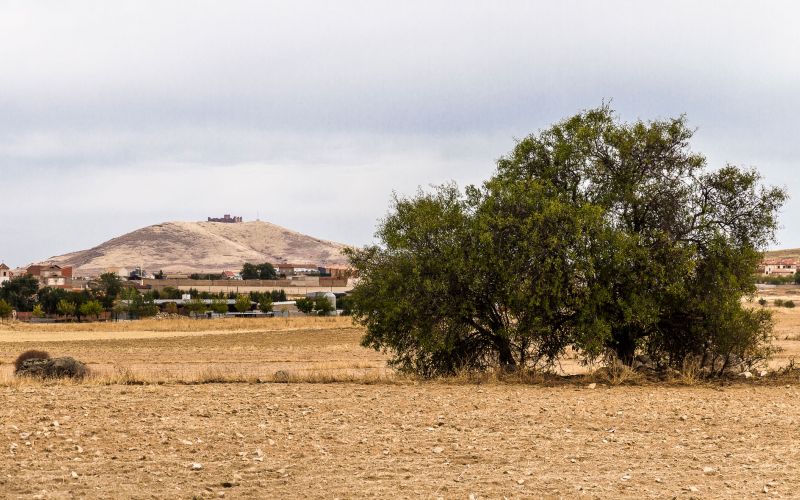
column 51, row 291
column 261, row 282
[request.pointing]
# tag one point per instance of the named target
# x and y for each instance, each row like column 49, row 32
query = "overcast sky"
column 117, row 115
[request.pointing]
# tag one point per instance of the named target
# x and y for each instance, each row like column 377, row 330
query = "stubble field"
column 181, row 409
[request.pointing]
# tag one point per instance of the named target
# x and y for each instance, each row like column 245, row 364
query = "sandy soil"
column 407, row 441
column 382, row 437
column 226, row 348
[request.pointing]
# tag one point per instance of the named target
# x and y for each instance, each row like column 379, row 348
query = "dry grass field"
column 147, row 424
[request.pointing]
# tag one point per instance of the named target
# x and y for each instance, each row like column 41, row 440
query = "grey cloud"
column 344, row 101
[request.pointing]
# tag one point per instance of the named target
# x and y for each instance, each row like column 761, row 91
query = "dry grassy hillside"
column 204, row 247
column 789, row 253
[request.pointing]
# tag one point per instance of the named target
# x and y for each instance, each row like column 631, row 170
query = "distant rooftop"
column 226, row 218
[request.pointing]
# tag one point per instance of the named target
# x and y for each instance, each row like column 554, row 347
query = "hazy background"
column 115, row 116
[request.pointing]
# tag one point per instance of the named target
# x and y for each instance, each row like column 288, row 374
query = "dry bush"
column 31, row 354
column 615, row 372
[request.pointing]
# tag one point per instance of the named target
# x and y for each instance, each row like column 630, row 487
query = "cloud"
column 311, row 113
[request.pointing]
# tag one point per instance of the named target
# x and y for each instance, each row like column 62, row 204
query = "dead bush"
column 31, row 354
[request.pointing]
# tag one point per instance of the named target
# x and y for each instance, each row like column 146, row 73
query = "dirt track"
column 414, row 441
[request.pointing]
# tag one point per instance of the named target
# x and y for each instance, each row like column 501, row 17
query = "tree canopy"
column 594, row 234
column 265, row 271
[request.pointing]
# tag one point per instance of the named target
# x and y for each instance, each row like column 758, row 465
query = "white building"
column 5, row 273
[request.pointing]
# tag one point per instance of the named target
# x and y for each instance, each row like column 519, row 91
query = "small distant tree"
column 322, row 306
column 265, row 304
column 305, row 305
column 171, row 308
column 65, row 308
column 110, row 285
column 789, row 303
column 195, row 305
column 242, row 303
column 265, row 271
column 91, row 308
column 38, row 312
column 762, row 302
column 219, row 306
column 5, row 310
column 278, row 295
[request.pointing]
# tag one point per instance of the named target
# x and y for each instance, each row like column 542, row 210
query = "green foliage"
column 195, row 305
column 110, row 286
column 345, row 304
column 594, row 235
column 5, row 309
column 38, row 312
column 243, row 303
column 265, row 271
column 219, row 306
column 66, row 308
column 169, row 292
column 171, row 308
column 20, row 292
column 304, row 305
column 778, row 302
column 762, row 302
column 205, row 276
column 278, row 295
column 135, row 304
column 776, row 280
column 789, row 303
column 91, row 308
column 322, row 306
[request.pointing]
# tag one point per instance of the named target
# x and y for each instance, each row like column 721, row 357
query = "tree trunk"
column 506, row 357
column 625, row 348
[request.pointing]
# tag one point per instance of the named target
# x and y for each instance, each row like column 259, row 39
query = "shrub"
column 778, row 302
column 762, row 301
column 37, row 311
column 242, row 303
column 5, row 309
column 305, row 305
column 65, row 367
column 789, row 304
column 171, row 308
column 31, row 354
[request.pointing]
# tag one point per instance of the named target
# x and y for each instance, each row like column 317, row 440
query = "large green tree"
column 594, row 234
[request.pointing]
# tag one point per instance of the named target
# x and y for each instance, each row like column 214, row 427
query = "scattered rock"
column 196, row 466
column 709, row 470
column 592, row 385
column 763, row 373
column 626, row 477
column 520, row 482
column 746, row 374
column 438, row 449
column 74, row 475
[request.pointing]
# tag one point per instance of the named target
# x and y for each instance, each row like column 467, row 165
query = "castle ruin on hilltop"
column 227, row 219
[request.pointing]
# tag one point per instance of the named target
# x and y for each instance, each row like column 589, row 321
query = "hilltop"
column 204, row 247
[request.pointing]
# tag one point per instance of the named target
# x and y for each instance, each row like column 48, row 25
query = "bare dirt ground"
column 381, row 436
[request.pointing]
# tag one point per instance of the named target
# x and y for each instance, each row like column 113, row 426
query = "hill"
column 203, row 247
column 790, row 253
